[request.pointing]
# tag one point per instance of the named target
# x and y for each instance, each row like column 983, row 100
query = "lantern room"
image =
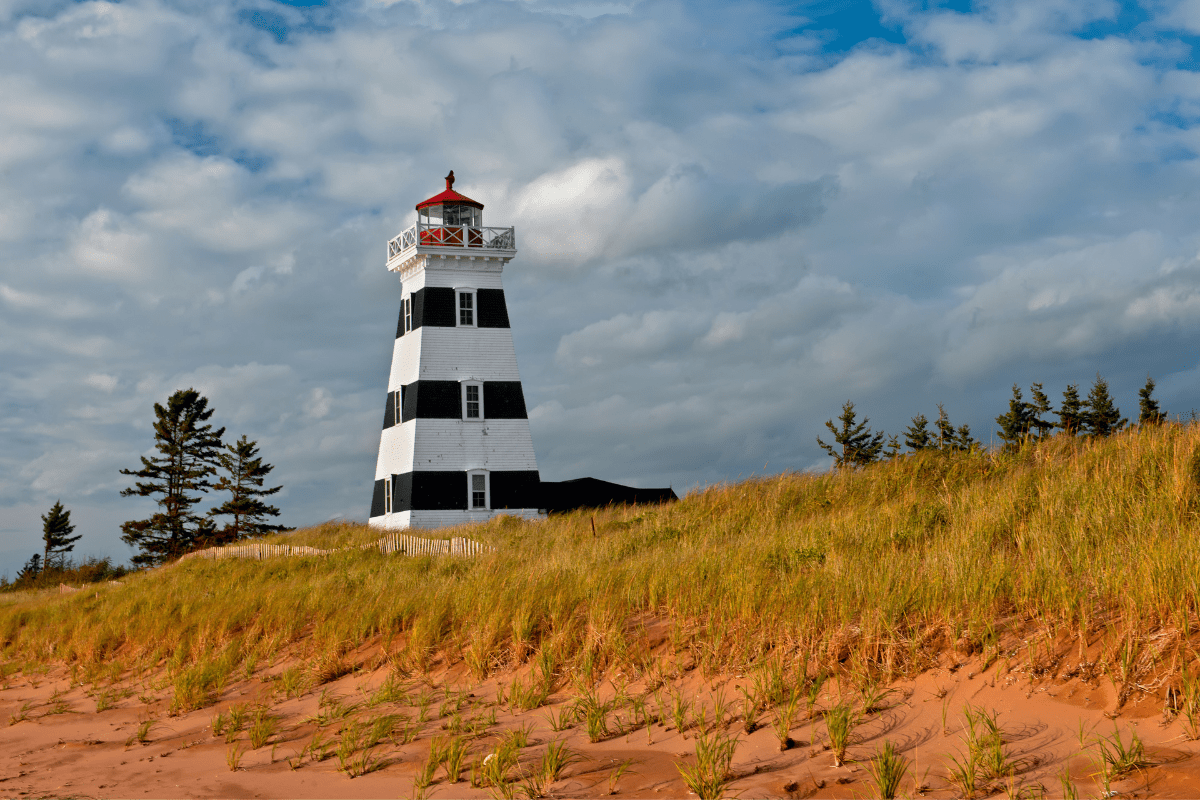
column 438, row 216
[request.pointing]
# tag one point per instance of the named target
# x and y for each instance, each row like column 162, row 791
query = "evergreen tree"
column 1040, row 405
column 1101, row 415
column 243, row 479
column 893, row 448
column 1017, row 422
column 1148, row 406
column 917, row 435
column 187, row 452
column 32, row 568
column 858, row 444
column 56, row 536
column 963, row 440
column 1071, row 414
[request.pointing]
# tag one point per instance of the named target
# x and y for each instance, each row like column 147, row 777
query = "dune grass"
column 867, row 573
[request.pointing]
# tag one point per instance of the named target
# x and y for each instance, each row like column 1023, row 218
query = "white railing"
column 453, row 236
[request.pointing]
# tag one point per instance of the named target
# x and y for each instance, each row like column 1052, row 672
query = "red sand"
column 82, row 753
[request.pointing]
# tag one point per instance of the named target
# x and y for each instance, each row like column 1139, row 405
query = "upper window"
column 406, row 303
column 398, row 409
column 466, row 308
column 472, row 400
column 478, row 489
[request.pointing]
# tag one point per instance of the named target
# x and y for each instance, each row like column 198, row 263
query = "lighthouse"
column 455, row 445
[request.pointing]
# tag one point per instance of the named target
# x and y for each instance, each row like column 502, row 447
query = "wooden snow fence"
column 401, row 543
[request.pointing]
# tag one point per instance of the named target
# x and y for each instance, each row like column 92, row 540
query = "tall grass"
column 869, row 571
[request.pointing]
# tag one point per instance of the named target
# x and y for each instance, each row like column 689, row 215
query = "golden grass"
column 869, row 572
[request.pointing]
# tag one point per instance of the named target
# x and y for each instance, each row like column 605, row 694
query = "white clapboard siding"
column 453, row 354
column 452, row 444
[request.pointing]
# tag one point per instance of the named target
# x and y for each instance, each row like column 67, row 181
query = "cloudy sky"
column 732, row 217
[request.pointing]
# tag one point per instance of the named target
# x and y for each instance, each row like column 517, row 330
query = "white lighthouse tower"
column 455, row 445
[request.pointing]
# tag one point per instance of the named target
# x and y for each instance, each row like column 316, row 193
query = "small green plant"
column 681, row 709
column 219, row 722
column 293, row 681
column 233, row 756
column 455, row 752
column 874, row 698
column 22, row 715
column 964, row 773
column 564, row 719
column 105, row 699
column 840, row 722
column 142, row 734
column 390, row 691
column 1118, row 758
column 380, row 728
column 527, row 697
column 318, row 747
column 785, row 719
column 617, row 773
column 263, row 728
column 1188, row 702
column 349, row 742
column 519, row 736
column 556, row 758
column 710, row 774
column 887, row 769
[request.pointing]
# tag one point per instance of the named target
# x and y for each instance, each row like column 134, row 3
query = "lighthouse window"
column 466, row 309
column 407, row 304
column 387, row 495
column 472, row 401
column 479, row 490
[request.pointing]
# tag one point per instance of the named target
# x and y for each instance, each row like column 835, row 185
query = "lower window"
column 387, row 495
column 479, row 490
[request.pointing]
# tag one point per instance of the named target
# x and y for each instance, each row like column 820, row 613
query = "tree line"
column 190, row 459
column 855, row 444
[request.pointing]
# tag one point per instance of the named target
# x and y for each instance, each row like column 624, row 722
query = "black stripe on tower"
column 433, row 306
column 447, row 491
column 503, row 400
column 432, row 400
column 492, row 312
column 443, row 400
column 389, row 413
column 377, row 498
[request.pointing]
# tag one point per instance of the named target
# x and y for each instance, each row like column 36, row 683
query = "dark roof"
column 595, row 493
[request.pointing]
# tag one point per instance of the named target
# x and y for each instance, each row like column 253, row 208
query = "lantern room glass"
column 452, row 215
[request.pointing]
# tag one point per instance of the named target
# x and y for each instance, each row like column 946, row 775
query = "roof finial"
column 450, row 180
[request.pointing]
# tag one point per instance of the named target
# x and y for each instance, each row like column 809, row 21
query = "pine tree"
column 187, row 452
column 32, row 568
column 1016, row 423
column 947, row 437
column 1148, row 406
column 859, row 445
column 245, row 473
column 1040, row 405
column 1071, row 414
column 1101, row 415
column 893, row 448
column 963, row 440
column 917, row 435
column 56, row 536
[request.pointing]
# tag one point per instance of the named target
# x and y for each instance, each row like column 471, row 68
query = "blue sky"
column 731, row 219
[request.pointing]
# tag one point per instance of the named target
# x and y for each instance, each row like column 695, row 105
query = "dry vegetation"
column 870, row 572
column 861, row 575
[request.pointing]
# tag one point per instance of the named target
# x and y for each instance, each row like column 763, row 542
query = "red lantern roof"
column 449, row 196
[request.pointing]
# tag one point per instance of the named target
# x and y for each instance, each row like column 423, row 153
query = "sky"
column 731, row 219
